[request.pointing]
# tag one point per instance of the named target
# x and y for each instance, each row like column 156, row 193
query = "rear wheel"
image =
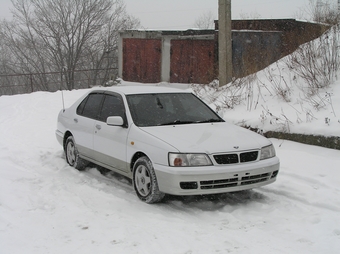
column 145, row 181
column 72, row 155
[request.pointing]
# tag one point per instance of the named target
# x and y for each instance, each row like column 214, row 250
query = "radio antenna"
column 61, row 89
column 62, row 97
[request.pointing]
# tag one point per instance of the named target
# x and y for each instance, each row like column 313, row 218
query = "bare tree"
column 322, row 11
column 205, row 21
column 64, row 35
column 252, row 15
column 106, row 56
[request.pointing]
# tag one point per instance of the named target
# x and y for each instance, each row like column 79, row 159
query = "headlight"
column 267, row 152
column 188, row 160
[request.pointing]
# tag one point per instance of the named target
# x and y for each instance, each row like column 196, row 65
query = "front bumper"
column 216, row 179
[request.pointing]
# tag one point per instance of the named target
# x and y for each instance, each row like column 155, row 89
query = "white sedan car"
column 166, row 140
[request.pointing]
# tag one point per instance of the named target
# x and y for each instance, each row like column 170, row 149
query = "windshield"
column 169, row 109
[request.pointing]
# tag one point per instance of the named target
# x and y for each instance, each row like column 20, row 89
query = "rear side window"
column 90, row 106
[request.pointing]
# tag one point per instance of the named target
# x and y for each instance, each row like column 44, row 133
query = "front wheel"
column 72, row 155
column 145, row 181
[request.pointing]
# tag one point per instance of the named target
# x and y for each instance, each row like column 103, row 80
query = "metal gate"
column 142, row 60
column 192, row 61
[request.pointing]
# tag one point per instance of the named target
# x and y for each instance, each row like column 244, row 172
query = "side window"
column 90, row 106
column 81, row 106
column 112, row 106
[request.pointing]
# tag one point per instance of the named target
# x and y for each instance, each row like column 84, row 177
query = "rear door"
column 110, row 141
column 84, row 121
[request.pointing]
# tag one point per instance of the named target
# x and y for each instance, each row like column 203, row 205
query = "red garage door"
column 192, row 61
column 142, row 60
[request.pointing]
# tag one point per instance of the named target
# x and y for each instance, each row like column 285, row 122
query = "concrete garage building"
column 171, row 56
column 191, row 56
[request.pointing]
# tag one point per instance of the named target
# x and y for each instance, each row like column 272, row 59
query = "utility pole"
column 224, row 42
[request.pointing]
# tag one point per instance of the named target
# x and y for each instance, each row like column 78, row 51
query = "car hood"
column 208, row 137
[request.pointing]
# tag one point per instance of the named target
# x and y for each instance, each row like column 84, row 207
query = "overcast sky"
column 181, row 14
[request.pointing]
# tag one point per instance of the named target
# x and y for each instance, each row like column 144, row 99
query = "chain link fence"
column 53, row 81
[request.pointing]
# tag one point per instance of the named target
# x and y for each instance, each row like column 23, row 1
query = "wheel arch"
column 67, row 134
column 135, row 157
column 144, row 179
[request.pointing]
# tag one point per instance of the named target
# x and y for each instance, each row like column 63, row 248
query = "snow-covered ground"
column 48, row 207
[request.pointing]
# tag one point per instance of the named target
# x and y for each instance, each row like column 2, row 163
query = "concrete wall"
column 254, row 51
column 294, row 32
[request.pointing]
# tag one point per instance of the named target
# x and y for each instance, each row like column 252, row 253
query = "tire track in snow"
column 291, row 197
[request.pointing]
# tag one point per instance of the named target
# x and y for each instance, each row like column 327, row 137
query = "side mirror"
column 115, row 121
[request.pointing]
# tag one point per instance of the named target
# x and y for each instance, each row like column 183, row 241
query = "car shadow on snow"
column 215, row 202
column 210, row 202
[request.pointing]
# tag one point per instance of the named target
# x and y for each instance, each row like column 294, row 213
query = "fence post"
column 31, row 80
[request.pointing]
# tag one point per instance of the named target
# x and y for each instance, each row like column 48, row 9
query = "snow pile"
column 258, row 105
column 48, row 207
column 298, row 94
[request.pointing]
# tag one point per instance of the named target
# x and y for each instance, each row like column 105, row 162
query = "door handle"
column 98, row 127
column 75, row 120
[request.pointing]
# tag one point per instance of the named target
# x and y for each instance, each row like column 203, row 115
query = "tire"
column 72, row 155
column 145, row 181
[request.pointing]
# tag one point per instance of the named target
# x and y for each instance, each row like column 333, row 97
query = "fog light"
column 188, row 185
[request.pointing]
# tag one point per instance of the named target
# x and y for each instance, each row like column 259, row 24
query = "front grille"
column 226, row 158
column 275, row 173
column 215, row 184
column 248, row 156
column 233, row 158
column 255, row 179
column 237, row 181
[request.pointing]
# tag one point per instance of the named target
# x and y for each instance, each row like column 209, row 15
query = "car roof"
column 141, row 89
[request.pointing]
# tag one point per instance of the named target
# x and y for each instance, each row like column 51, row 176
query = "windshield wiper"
column 178, row 122
column 212, row 120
